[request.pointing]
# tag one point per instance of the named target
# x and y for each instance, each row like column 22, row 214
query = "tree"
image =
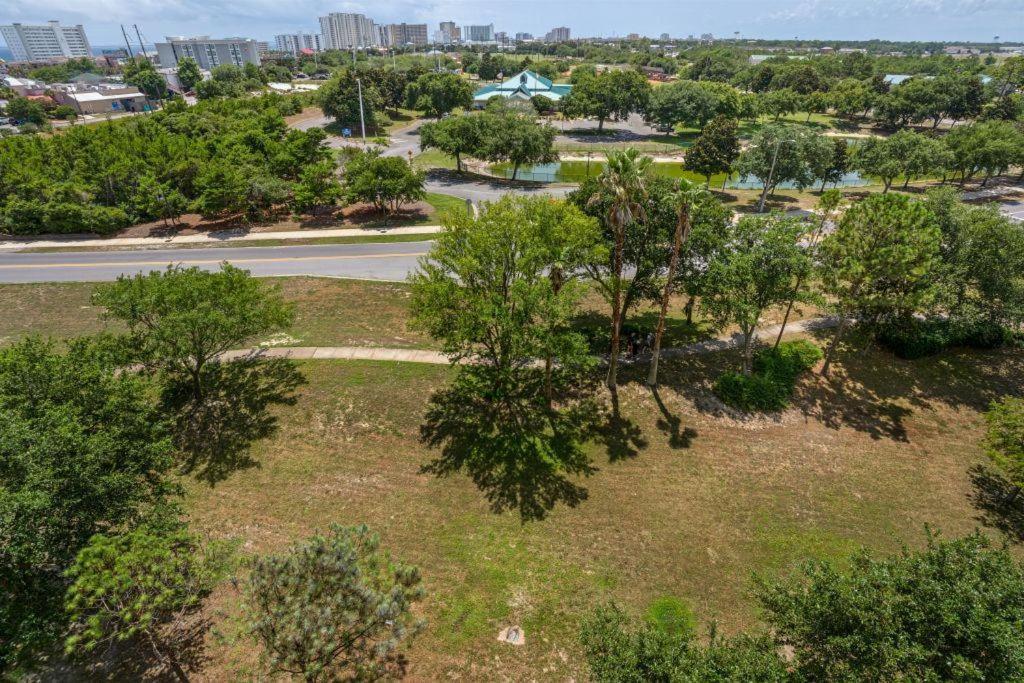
column 610, row 95
column 339, row 98
column 851, row 97
column 617, row 652
column 624, row 178
column 755, row 274
column 221, row 189
column 437, row 94
column 82, row 450
column 947, row 612
column 828, row 203
column 188, row 73
column 835, row 167
column 879, row 262
column 981, row 276
column 142, row 74
column 783, row 153
column 140, row 585
column 24, row 110
column 685, row 197
column 905, row 153
column 385, row 182
column 455, row 136
column 336, row 604
column 181, row 319
column 715, row 149
column 1004, row 440
column 692, row 103
column 66, row 112
column 500, row 291
column 318, row 186
column 779, row 103
column 160, row 200
column 517, row 139
column 990, row 147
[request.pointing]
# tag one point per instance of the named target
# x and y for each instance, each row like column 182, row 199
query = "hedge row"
column 916, row 338
column 770, row 385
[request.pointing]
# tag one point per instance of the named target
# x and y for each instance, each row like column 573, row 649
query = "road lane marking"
column 282, row 259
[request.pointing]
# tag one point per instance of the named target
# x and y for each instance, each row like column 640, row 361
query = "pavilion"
column 523, row 86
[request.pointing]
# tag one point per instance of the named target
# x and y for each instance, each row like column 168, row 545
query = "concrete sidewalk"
column 221, row 237
column 719, row 343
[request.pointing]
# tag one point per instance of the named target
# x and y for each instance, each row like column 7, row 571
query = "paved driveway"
column 1014, row 209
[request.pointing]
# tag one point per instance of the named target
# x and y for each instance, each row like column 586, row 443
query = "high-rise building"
column 524, row 36
column 208, row 52
column 479, row 34
column 501, row 37
column 397, row 35
column 450, row 33
column 37, row 43
column 344, row 31
column 558, row 34
column 262, row 47
column 293, row 43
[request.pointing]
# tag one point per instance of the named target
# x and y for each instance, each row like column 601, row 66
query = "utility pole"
column 362, row 119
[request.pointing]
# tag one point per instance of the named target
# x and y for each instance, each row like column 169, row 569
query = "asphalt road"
column 390, row 261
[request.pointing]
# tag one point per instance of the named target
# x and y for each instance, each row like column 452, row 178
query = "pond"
column 578, row 171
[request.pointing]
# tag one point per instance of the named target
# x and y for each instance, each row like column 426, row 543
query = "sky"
column 946, row 20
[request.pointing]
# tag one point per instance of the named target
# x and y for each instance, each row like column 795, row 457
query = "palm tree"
column 625, row 179
column 685, row 197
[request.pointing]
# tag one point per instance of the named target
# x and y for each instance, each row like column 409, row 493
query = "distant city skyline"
column 921, row 20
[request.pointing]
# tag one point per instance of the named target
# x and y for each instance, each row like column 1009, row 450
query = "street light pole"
column 362, row 119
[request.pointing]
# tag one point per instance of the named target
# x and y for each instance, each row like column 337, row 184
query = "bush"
column 771, row 384
column 914, row 338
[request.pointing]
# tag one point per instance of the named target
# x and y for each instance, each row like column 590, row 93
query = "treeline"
column 221, row 159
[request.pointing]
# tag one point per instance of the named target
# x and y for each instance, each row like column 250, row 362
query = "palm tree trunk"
column 682, row 231
column 613, row 360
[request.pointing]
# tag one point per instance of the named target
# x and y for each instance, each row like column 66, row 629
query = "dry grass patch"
column 698, row 502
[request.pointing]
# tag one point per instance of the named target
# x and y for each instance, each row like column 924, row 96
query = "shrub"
column 771, row 384
column 672, row 616
column 915, row 338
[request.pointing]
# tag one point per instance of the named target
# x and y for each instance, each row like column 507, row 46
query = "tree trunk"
column 515, row 170
column 764, row 198
column 888, row 184
column 789, row 308
column 458, row 162
column 613, row 360
column 906, row 182
column 830, row 352
column 748, row 348
column 168, row 659
column 682, row 232
column 197, row 384
column 600, row 124
column 689, row 309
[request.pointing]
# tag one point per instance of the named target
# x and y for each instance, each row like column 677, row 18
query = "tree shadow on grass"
column 215, row 435
column 134, row 659
column 520, row 454
column 999, row 503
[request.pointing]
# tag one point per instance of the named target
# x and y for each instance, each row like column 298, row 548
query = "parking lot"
column 1014, row 209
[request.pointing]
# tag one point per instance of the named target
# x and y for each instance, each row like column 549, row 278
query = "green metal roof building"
column 522, row 86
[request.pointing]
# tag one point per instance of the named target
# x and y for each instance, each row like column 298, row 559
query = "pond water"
column 578, row 171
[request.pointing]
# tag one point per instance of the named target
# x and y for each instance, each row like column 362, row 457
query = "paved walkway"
column 720, row 343
column 219, row 237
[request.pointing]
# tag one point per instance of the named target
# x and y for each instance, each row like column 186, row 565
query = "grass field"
column 699, row 503
column 688, row 499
